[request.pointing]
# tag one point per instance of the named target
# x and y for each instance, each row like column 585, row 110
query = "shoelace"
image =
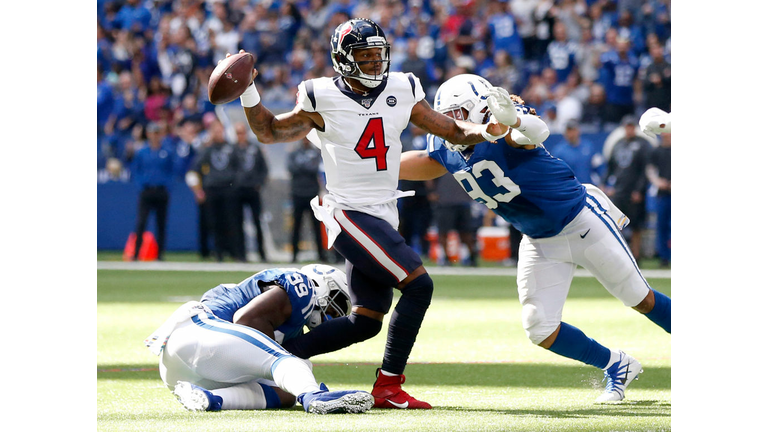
column 611, row 379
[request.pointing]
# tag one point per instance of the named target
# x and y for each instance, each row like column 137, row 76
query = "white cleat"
column 618, row 376
column 195, row 398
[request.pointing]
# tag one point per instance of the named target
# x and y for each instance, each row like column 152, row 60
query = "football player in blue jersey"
column 565, row 224
column 222, row 353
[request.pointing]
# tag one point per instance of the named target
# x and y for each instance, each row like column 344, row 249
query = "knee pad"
column 419, row 291
column 535, row 323
column 363, row 327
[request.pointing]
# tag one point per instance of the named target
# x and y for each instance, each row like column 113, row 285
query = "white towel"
column 379, row 209
column 613, row 212
column 324, row 214
column 157, row 340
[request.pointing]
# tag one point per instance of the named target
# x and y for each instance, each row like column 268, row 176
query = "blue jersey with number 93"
column 226, row 299
column 532, row 190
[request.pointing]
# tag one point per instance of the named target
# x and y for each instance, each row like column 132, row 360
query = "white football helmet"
column 331, row 293
column 463, row 91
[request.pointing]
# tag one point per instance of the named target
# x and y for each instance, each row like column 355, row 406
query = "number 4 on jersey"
column 372, row 144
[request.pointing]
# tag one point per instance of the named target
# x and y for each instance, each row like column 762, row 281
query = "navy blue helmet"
column 359, row 33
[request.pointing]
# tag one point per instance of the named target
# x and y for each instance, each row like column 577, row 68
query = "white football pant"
column 216, row 354
column 546, row 267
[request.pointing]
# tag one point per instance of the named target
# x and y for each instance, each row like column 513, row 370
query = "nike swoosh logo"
column 623, row 381
column 585, row 234
column 399, row 405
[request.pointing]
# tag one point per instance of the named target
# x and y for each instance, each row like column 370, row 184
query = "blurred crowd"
column 589, row 60
column 583, row 64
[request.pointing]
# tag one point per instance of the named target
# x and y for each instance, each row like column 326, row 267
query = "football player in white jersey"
column 565, row 224
column 356, row 118
column 221, row 353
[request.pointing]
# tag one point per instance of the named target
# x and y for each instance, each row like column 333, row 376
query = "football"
column 230, row 78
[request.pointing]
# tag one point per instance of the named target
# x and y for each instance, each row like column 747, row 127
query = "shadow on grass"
column 638, row 408
column 524, row 375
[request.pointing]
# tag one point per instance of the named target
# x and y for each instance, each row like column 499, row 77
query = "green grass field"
column 472, row 362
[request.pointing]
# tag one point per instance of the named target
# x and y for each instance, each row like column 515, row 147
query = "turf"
column 472, row 361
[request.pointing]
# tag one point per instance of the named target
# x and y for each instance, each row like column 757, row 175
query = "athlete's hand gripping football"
column 250, row 96
column 255, row 72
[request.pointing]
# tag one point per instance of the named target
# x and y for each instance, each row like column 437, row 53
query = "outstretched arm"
column 455, row 131
column 287, row 127
column 269, row 129
column 417, row 165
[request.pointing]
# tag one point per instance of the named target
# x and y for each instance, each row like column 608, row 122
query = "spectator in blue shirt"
column 133, row 16
column 105, row 100
column 127, row 111
column 561, row 53
column 152, row 170
column 503, row 30
column 628, row 29
column 484, row 64
column 619, row 75
column 187, row 146
column 582, row 155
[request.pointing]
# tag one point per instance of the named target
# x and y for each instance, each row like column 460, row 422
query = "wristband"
column 250, row 97
column 493, row 138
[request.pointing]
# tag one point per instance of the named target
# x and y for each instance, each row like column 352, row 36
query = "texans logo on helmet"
column 344, row 31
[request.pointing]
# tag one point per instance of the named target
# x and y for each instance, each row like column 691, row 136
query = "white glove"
column 652, row 120
column 501, row 105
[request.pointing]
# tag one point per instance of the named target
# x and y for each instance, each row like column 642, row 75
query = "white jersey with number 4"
column 360, row 142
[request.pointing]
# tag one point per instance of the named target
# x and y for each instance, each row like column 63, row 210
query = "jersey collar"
column 364, row 101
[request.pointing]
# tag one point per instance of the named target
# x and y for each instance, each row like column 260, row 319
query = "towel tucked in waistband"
column 608, row 206
column 157, row 340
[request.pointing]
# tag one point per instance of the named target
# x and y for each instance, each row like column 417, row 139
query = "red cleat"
column 387, row 393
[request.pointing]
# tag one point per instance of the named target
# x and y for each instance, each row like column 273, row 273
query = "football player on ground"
column 356, row 118
column 565, row 224
column 221, row 353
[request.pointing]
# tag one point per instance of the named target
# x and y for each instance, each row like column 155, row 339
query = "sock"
column 574, row 344
column 333, row 335
column 405, row 323
column 294, row 376
column 385, row 373
column 248, row 396
column 273, row 400
column 661, row 314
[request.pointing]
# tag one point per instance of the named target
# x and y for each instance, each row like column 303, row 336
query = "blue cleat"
column 196, row 398
column 618, row 376
column 333, row 402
